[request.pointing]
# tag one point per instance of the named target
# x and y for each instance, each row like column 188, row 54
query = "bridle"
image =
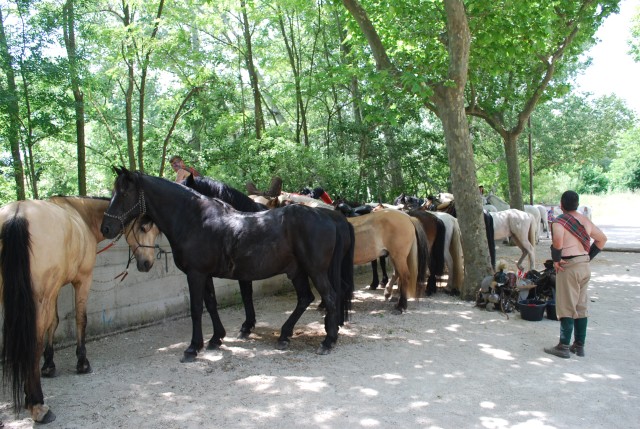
column 143, row 209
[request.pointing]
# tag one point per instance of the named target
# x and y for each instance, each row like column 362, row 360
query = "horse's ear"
column 252, row 190
column 190, row 181
column 276, row 187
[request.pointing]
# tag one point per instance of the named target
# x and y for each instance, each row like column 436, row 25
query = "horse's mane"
column 224, row 192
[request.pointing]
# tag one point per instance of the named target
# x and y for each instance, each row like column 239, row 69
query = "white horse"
column 521, row 227
column 585, row 210
column 543, row 218
column 453, row 257
column 502, row 205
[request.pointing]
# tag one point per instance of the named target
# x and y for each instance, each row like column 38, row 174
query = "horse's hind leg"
column 212, row 307
column 375, row 281
column 81, row 294
column 49, row 367
column 305, row 297
column 246, row 291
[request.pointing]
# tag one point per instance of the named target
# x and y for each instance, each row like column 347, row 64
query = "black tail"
column 19, row 330
column 436, row 257
column 488, row 226
column 423, row 253
column 348, row 285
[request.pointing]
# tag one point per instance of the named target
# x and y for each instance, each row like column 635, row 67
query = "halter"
column 143, row 209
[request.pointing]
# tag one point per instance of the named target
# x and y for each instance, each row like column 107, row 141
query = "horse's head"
column 141, row 236
column 127, row 202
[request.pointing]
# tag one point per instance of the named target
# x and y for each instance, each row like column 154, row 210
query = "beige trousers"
column 571, row 288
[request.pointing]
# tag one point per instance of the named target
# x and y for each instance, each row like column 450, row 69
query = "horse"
column 209, row 239
column 534, row 211
column 401, row 237
column 408, row 202
column 544, row 221
column 37, row 260
column 362, row 209
column 521, row 227
column 448, row 206
column 453, row 258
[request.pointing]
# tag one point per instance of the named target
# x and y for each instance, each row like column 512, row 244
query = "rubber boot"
column 562, row 348
column 580, row 336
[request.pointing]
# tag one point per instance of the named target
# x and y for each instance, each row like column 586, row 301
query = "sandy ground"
column 443, row 364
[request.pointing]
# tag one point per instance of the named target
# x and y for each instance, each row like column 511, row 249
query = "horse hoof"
column 49, row 372
column 396, row 311
column 188, row 357
column 282, row 345
column 84, row 368
column 48, row 418
column 323, row 350
column 214, row 345
column 373, row 287
column 244, row 335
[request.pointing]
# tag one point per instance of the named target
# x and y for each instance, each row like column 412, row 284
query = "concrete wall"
column 143, row 298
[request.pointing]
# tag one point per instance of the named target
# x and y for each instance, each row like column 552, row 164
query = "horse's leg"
column 212, row 307
column 81, row 288
column 304, row 298
column 402, row 269
column 48, row 369
column 383, row 267
column 323, row 285
column 388, row 289
column 34, row 396
column 246, row 291
column 197, row 282
column 375, row 281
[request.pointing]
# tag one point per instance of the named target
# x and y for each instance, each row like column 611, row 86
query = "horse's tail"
column 488, row 226
column 19, row 330
column 455, row 248
column 347, row 282
column 436, row 257
column 422, row 254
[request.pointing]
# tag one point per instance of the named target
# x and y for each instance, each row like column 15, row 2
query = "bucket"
column 551, row 310
column 532, row 309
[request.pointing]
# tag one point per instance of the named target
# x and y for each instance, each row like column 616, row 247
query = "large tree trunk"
column 128, row 96
column 13, row 112
column 78, row 96
column 513, row 169
column 253, row 76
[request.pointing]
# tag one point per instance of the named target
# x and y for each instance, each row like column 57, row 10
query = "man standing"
column 571, row 251
column 182, row 171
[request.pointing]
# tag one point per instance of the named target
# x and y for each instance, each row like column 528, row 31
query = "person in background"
column 182, row 171
column 571, row 252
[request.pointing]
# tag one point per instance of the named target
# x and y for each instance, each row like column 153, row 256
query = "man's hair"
column 570, row 200
column 174, row 158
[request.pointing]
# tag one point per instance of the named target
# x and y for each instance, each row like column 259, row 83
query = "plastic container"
column 532, row 309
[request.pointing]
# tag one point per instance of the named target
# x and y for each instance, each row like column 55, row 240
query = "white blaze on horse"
column 45, row 245
column 521, row 227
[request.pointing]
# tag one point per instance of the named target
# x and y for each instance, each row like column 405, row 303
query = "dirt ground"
column 443, row 364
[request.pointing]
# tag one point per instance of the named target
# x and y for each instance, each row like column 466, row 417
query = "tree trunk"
column 78, row 96
column 142, row 88
column 253, row 76
column 13, row 112
column 513, row 171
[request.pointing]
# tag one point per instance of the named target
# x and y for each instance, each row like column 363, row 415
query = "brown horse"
column 401, row 237
column 43, row 246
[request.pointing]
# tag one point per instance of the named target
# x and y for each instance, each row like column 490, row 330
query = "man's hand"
column 559, row 265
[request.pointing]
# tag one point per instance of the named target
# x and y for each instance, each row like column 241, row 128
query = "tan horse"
column 401, row 237
column 45, row 245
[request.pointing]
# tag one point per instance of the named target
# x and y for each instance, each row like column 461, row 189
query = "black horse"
column 211, row 239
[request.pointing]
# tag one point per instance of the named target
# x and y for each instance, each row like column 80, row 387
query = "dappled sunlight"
column 572, row 378
column 390, row 378
column 418, row 405
column 173, row 347
column 609, row 279
column 496, row 353
column 488, row 405
column 453, row 328
column 312, row 384
column 455, row 374
column 365, row 391
column 369, row 423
